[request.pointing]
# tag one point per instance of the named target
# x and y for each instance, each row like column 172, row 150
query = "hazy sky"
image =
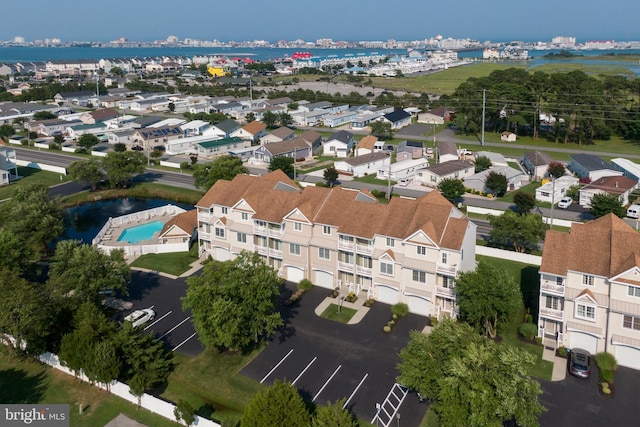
column 351, row 20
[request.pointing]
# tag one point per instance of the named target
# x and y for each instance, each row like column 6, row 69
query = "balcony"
column 276, row 232
column 345, row 266
column 275, row 253
column 259, row 230
column 445, row 292
column 204, row 217
column 364, row 249
column 552, row 287
column 345, row 245
column 203, row 235
column 262, row 250
column 449, row 270
column 366, row 271
column 551, row 313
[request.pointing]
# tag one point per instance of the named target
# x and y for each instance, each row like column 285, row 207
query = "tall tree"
column 487, row 296
column 16, row 256
column 482, row 164
column 88, row 141
column 451, row 188
column 330, row 176
column 269, row 119
column 605, row 203
column 280, row 405
column 334, row 415
column 496, row 183
column 223, row 167
column 556, row 169
column 521, row 232
column 381, row 129
column 250, row 117
column 89, row 171
column 121, row 167
column 233, row 303
column 185, row 412
column 524, row 201
column 284, row 163
column 285, row 119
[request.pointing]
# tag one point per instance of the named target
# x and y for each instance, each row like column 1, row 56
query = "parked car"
column 140, row 317
column 580, row 363
column 403, row 182
column 565, row 202
column 633, row 211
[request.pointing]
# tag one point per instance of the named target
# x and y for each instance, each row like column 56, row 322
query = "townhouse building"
column 590, row 289
column 409, row 250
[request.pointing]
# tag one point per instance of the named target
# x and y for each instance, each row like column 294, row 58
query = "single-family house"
column 627, row 167
column 536, row 163
column 314, row 139
column 220, row 147
column 619, row 186
column 367, row 164
column 436, row 116
column 121, row 136
column 99, row 116
column 367, row 145
column 398, row 119
column 496, row 159
column 277, row 135
column 478, row 181
column 251, row 131
column 406, row 169
column 223, row 129
column 8, row 166
column 338, row 119
column 447, row 151
column 456, row 169
column 148, row 138
column 414, row 149
column 52, row 127
column 195, row 127
column 82, row 97
column 298, row 148
column 589, row 166
column 554, row 190
column 339, row 144
column 508, row 137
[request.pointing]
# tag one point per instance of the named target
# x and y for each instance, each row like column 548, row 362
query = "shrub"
column 53, row 146
column 606, row 361
column 334, row 294
column 400, row 309
column 433, row 320
column 562, row 352
column 369, row 302
column 321, row 184
column 606, row 375
column 605, row 388
column 387, row 328
column 394, row 316
column 24, row 142
column 80, row 150
column 528, row 330
column 351, row 297
column 305, row 285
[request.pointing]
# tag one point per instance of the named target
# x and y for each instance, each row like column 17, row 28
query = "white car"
column 140, row 317
column 565, row 202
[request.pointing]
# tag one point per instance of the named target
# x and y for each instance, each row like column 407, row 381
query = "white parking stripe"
column 354, row 391
column 327, row 382
column 179, row 345
column 276, row 367
column 157, row 320
column 304, row 370
column 174, row 328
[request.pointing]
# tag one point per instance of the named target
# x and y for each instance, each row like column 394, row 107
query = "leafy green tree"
column 524, row 201
column 58, row 139
column 269, row 119
column 280, row 405
column 330, row 176
column 223, row 167
column 172, row 107
column 482, row 164
column 496, row 183
column 334, row 415
column 285, row 119
column 521, row 232
column 284, row 163
column 487, row 296
column 16, row 256
column 122, row 167
column 7, row 131
column 119, row 147
column 294, row 105
column 381, row 130
column 556, row 169
column 250, row 117
column 104, row 363
column 233, row 303
column 88, row 141
column 451, row 188
column 44, row 115
column 89, row 171
column 605, row 203
column 185, row 412
column 116, row 71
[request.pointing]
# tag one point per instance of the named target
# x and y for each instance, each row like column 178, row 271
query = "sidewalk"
column 559, row 364
column 195, row 266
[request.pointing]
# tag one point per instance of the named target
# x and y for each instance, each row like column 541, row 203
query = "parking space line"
column 326, row 382
column 179, row 345
column 174, row 328
column 304, row 370
column 276, row 367
column 354, row 391
column 157, row 320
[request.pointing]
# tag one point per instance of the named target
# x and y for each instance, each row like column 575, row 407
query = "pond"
column 86, row 220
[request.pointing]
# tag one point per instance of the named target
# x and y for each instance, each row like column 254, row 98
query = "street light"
column 378, row 409
column 398, row 418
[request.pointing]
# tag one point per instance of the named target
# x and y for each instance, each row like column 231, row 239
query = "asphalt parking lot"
column 327, row 361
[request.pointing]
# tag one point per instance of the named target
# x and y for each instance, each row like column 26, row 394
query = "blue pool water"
column 140, row 232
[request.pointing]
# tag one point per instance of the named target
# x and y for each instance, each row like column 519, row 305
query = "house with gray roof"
column 339, row 144
column 478, row 181
column 223, row 129
column 456, row 169
column 536, row 163
column 589, row 166
column 367, row 164
column 298, row 148
column 277, row 135
column 447, row 151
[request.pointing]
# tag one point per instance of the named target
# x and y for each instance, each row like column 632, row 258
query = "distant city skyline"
column 146, row 20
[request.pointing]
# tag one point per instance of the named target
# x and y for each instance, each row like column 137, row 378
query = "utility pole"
column 389, row 178
column 553, row 199
column 484, row 102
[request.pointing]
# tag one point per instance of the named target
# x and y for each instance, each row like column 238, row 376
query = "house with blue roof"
column 585, row 165
column 398, row 119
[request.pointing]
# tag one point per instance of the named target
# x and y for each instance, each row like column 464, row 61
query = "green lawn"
column 31, row 176
column 174, row 263
column 529, row 189
column 339, row 314
column 371, row 179
column 140, row 189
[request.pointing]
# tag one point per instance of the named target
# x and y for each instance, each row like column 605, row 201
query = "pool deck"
column 110, row 238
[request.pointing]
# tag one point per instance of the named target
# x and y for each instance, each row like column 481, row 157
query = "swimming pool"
column 140, row 232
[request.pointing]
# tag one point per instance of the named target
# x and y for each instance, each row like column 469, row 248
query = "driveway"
column 328, row 360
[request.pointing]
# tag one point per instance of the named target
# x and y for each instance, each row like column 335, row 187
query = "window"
column 631, row 322
column 324, row 253
column 220, row 232
column 386, row 268
column 559, row 281
column 297, row 226
column 587, row 279
column 433, row 178
column 633, row 291
column 421, row 250
column 391, row 242
column 225, row 211
column 419, row 276
column 552, row 302
column 294, row 248
column 447, row 282
column 242, row 237
column 245, row 216
column 444, row 257
column 587, row 312
column 326, row 230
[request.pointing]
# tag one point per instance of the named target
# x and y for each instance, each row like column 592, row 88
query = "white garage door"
column 294, row 274
column 418, row 305
column 324, row 279
column 222, row 254
column 584, row 341
column 387, row 294
column 628, row 356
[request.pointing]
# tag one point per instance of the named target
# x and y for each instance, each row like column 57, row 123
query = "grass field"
column 594, row 70
column 339, row 314
column 174, row 263
column 31, row 176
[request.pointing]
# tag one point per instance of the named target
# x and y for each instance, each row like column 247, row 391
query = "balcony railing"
column 553, row 287
column 445, row 292
column 551, row 313
column 367, row 271
column 275, row 252
column 204, row 216
column 204, row 235
column 259, row 230
column 346, row 245
column 449, row 270
column 262, row 250
column 364, row 249
column 345, row 266
column 276, row 232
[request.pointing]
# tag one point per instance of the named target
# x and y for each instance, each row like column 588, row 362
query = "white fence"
column 137, row 250
column 68, row 149
column 508, row 255
column 496, row 212
column 42, row 166
column 170, row 164
column 147, row 401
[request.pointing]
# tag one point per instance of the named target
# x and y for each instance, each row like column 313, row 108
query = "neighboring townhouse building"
column 298, row 148
column 536, row 163
column 590, row 289
column 220, row 147
column 8, row 166
column 627, row 167
column 589, row 166
column 555, row 189
column 409, row 250
column 314, row 139
column 456, row 169
column 478, row 181
column 277, row 135
column 415, row 149
column 398, row 119
column 251, row 131
column 367, row 145
column 406, row 169
column 367, row 164
column 447, row 151
column 619, row 186
column 339, row 144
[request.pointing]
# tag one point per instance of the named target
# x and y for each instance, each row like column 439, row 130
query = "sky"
column 349, row 20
